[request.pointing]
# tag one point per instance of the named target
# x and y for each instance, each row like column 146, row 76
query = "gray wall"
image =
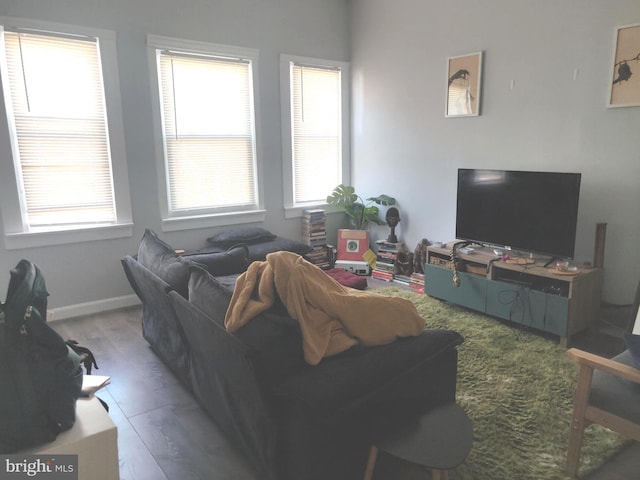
column 90, row 272
column 405, row 147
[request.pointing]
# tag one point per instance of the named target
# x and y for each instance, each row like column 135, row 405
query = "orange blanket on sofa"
column 332, row 318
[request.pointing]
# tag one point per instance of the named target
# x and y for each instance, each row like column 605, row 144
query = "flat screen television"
column 535, row 212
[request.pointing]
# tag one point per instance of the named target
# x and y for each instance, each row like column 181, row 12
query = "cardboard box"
column 352, row 244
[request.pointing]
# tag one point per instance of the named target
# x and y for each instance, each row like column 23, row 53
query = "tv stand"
column 550, row 261
column 526, row 293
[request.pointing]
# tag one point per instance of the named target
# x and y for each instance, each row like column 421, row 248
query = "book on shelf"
column 321, row 256
column 416, row 282
column 385, row 267
column 313, row 213
column 405, row 280
column 382, row 275
column 389, row 246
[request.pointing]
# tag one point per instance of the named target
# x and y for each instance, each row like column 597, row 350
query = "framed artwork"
column 624, row 89
column 464, row 74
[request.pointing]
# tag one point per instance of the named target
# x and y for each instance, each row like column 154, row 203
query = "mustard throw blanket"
column 332, row 317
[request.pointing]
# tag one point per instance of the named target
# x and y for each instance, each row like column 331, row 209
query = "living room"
column 546, row 77
column 547, row 69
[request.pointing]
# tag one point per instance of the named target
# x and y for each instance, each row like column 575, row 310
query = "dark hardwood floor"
column 164, row 435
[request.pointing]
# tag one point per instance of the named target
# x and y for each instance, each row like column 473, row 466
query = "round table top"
column 441, row 438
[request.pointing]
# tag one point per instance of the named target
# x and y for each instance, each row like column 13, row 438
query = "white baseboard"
column 90, row 308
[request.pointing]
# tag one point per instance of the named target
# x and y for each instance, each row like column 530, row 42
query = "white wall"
column 90, row 272
column 405, row 147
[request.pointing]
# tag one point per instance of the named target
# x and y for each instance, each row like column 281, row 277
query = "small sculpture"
column 392, row 218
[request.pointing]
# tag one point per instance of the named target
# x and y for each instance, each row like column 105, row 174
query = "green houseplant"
column 360, row 212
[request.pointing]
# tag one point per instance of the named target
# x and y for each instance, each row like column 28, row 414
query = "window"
column 315, row 129
column 61, row 176
column 207, row 116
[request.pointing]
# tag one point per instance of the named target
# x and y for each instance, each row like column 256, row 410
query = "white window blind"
column 316, row 124
column 57, row 112
column 208, row 128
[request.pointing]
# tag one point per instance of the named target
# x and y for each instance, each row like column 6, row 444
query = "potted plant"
column 360, row 212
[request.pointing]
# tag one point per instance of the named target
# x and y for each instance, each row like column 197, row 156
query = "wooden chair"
column 607, row 393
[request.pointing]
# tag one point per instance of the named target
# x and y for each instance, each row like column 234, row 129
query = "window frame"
column 293, row 209
column 184, row 220
column 16, row 232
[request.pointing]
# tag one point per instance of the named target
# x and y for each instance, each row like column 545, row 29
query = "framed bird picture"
column 625, row 71
column 464, row 75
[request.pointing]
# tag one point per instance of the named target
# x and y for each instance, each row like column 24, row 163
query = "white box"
column 93, row 437
column 359, row 268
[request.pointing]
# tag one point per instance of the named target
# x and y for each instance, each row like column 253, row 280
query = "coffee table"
column 439, row 440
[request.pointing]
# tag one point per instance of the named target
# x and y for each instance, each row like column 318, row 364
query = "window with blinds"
column 208, row 130
column 56, row 107
column 316, row 131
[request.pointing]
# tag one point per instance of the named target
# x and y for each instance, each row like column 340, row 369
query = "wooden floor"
column 163, row 433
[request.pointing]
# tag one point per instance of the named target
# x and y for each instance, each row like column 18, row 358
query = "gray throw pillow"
column 234, row 260
column 248, row 235
column 161, row 259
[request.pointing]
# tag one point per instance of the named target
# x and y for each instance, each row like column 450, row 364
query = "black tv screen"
column 534, row 212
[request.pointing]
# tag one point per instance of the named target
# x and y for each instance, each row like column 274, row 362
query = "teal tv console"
column 519, row 290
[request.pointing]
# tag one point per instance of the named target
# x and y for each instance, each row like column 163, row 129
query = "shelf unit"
column 526, row 293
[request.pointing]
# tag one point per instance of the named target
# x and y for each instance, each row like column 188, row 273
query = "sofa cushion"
column 160, row 258
column 615, row 394
column 248, row 235
column 234, row 260
column 339, row 380
column 273, row 338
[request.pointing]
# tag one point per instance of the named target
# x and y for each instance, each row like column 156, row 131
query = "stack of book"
column 321, row 256
column 403, row 279
column 314, row 234
column 313, row 227
column 416, row 282
column 386, row 256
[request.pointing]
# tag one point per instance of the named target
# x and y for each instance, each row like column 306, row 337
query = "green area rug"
column 517, row 389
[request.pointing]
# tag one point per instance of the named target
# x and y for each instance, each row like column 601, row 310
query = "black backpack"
column 40, row 376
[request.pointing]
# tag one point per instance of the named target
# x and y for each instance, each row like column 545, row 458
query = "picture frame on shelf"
column 624, row 86
column 464, row 78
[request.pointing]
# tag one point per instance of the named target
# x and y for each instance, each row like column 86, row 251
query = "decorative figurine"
column 392, row 218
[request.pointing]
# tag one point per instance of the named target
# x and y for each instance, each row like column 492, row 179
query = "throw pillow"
column 234, row 260
column 160, row 258
column 259, row 251
column 206, row 293
column 633, row 345
column 248, row 235
column 347, row 279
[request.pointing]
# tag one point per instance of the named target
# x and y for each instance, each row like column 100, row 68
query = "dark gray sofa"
column 293, row 421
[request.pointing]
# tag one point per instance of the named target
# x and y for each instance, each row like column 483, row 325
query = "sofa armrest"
column 224, row 382
column 159, row 326
column 605, row 364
